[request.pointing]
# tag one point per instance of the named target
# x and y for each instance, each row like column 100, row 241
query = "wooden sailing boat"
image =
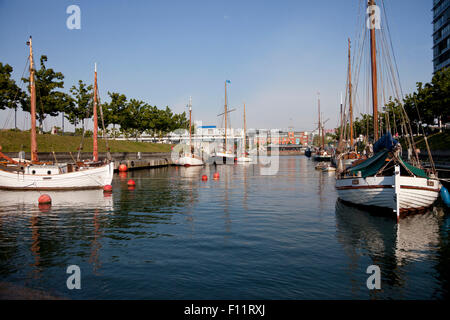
column 385, row 180
column 322, row 154
column 244, row 157
column 225, row 156
column 346, row 153
column 36, row 175
column 189, row 159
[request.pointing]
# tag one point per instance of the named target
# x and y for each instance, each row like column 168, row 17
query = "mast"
column 373, row 58
column 350, row 93
column 190, row 126
column 34, row 155
column 320, row 123
column 225, row 148
column 245, row 133
column 95, row 153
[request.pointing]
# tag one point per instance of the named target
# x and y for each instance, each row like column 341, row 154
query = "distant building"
column 284, row 138
column 441, row 34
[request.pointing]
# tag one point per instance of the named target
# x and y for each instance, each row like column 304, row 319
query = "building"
column 441, row 34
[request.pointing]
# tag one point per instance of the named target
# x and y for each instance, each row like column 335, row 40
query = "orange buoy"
column 123, row 168
column 216, row 176
column 45, row 199
column 204, row 178
column 131, row 183
column 107, row 188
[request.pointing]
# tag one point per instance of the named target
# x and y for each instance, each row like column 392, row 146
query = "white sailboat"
column 321, row 155
column 244, row 158
column 384, row 180
column 225, row 156
column 189, row 158
column 36, row 175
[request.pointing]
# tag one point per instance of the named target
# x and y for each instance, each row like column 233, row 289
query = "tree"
column 77, row 111
column 49, row 102
column 11, row 96
column 113, row 111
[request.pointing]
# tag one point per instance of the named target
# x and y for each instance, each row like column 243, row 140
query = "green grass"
column 14, row 141
column 437, row 141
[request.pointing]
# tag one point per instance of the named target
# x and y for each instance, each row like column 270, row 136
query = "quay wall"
column 133, row 160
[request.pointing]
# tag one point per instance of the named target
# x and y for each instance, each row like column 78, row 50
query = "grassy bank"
column 437, row 141
column 12, row 141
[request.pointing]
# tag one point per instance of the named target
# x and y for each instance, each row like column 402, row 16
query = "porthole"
column 33, row 172
column 49, row 172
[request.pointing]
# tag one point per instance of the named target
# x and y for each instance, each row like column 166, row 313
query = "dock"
column 133, row 160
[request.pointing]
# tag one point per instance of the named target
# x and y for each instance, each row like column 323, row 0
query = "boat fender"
column 445, row 195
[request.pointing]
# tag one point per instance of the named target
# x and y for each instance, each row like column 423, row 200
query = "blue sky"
column 277, row 54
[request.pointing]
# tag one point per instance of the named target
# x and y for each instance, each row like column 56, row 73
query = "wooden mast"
column 320, row 125
column 350, row 94
column 225, row 148
column 34, row 155
column 190, row 125
column 373, row 56
column 245, row 133
column 95, row 153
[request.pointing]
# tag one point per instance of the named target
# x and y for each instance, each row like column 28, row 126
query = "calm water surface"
column 245, row 236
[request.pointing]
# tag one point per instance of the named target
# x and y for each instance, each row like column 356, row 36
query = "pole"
column 245, row 133
column 225, row 148
column 190, row 126
column 350, row 93
column 95, row 153
column 34, row 156
column 373, row 58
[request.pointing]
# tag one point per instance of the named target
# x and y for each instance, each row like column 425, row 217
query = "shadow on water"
column 397, row 249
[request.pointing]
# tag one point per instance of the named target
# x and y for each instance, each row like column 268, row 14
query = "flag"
column 228, row 81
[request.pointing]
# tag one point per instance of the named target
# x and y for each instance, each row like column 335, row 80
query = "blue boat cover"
column 385, row 142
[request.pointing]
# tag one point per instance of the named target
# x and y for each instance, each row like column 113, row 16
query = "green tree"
column 49, row 102
column 11, row 96
column 77, row 111
column 114, row 110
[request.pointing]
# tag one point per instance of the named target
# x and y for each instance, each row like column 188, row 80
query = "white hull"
column 244, row 159
column 188, row 161
column 88, row 178
column 222, row 158
column 413, row 193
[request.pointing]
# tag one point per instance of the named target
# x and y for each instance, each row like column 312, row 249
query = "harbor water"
column 243, row 236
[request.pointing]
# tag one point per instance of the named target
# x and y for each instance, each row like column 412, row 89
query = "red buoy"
column 131, row 183
column 216, row 176
column 107, row 188
column 45, row 199
column 204, row 178
column 123, row 168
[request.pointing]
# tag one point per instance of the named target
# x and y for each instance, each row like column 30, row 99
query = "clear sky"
column 277, row 54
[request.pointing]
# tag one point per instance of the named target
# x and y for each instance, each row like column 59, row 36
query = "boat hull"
column 414, row 193
column 189, row 161
column 89, row 178
column 222, row 158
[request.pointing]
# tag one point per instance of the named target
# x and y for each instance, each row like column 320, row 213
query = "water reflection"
column 393, row 247
column 86, row 199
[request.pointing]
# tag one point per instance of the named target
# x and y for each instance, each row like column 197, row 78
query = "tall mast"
column 190, row 126
column 245, row 133
column 320, row 124
column 34, row 155
column 373, row 56
column 95, row 116
column 225, row 148
column 350, row 93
